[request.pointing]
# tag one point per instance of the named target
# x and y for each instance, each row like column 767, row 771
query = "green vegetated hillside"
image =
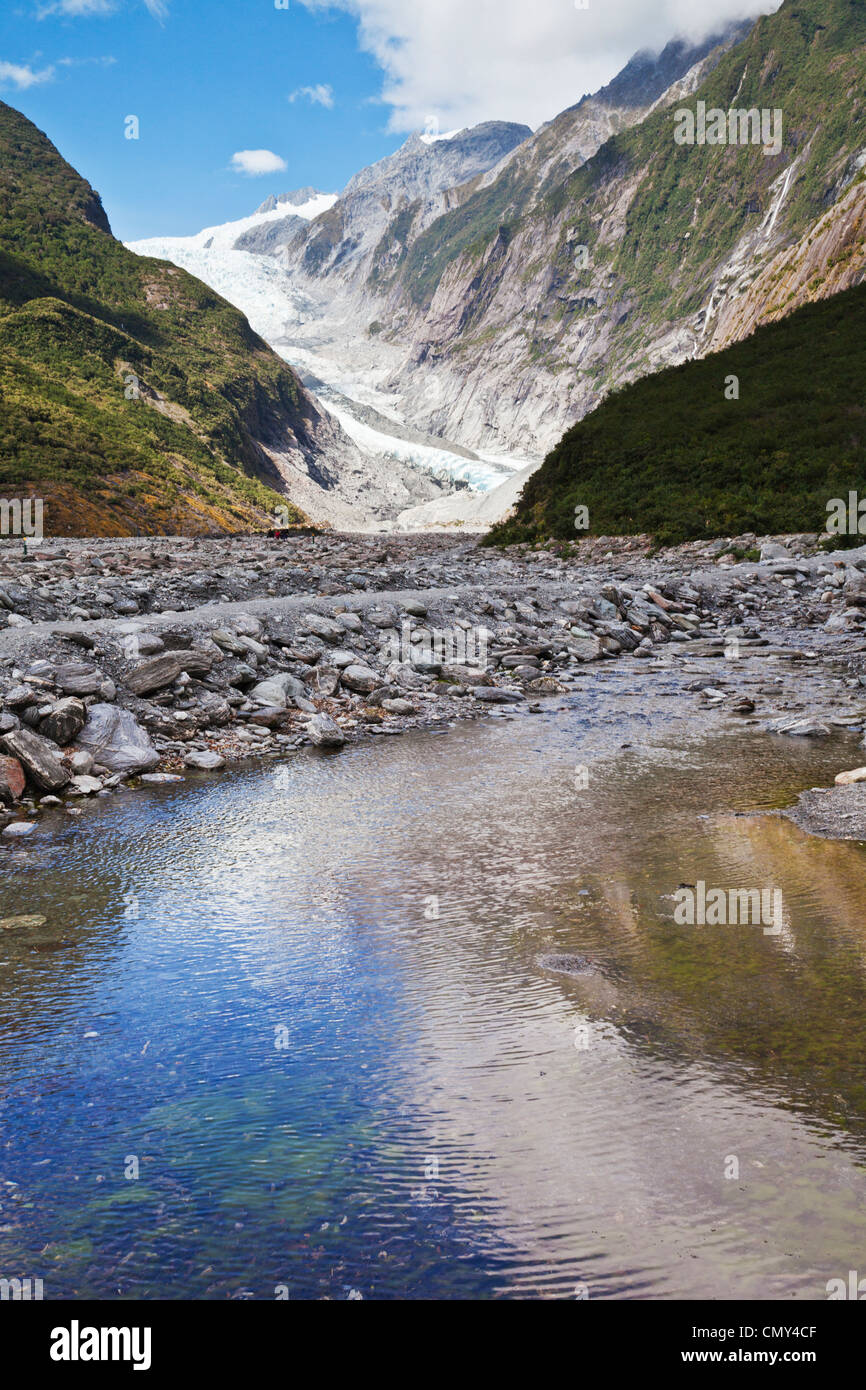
column 671, row 456
column 177, row 449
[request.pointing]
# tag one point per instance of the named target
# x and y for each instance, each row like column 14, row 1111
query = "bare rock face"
column 39, row 758
column 65, row 721
column 11, row 780
column 116, row 740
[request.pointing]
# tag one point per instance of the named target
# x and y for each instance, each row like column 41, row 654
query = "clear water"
column 243, row 988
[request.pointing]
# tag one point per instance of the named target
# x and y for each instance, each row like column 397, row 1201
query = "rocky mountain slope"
column 600, row 249
column 515, row 331
column 394, row 264
column 134, row 399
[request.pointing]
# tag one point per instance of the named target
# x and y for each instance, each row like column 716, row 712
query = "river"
column 289, row 1033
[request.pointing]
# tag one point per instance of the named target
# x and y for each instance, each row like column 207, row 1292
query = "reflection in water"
column 313, row 1021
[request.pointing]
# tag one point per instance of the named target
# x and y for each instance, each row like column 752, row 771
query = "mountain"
column 601, row 249
column 392, row 273
column 134, row 399
column 341, row 241
column 680, row 455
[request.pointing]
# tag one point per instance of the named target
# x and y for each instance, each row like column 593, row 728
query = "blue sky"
column 324, row 86
column 215, row 78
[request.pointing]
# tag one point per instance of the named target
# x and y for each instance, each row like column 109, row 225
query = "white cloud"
column 22, row 76
column 256, row 162
column 78, row 7
column 520, row 60
column 85, row 62
column 83, row 8
column 320, row 95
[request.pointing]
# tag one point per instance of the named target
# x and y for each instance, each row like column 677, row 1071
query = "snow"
column 430, row 139
column 480, row 475
column 277, row 309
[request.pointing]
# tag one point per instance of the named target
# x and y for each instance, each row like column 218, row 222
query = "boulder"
column 325, row 732
column 39, row 758
column 65, row 721
column 205, row 761
column 325, row 628
column 155, row 674
column 85, row 785
column 116, row 740
column 494, row 695
column 18, row 829
column 11, row 780
column 78, row 678
column 278, row 690
column 360, row 679
column 465, row 675
column 585, row 648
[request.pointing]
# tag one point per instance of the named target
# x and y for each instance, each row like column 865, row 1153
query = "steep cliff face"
column 523, row 307
column 409, row 184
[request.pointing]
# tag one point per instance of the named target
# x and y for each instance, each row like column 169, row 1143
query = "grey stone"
column 116, row 740
column 325, row 732
column 39, row 758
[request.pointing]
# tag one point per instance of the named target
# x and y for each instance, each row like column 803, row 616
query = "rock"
column 547, row 685
column 80, row 762
column 847, row 779
column 360, row 679
column 65, row 721
column 799, row 727
column 326, row 681
column 268, row 717
column 206, row 761
column 382, row 617
column 414, row 608
column 8, row 722
column 494, row 695
column 116, row 740
column 11, row 780
column 39, row 758
column 78, row 678
column 342, row 658
column 325, row 628
column 155, row 674
column 20, row 696
column 158, row 778
column 18, row 829
column 350, row 622
column 398, row 706
column 325, row 732
column 30, row 921
column 84, row 785
column 566, row 965
column 197, row 662
column 465, row 675
column 277, row 690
